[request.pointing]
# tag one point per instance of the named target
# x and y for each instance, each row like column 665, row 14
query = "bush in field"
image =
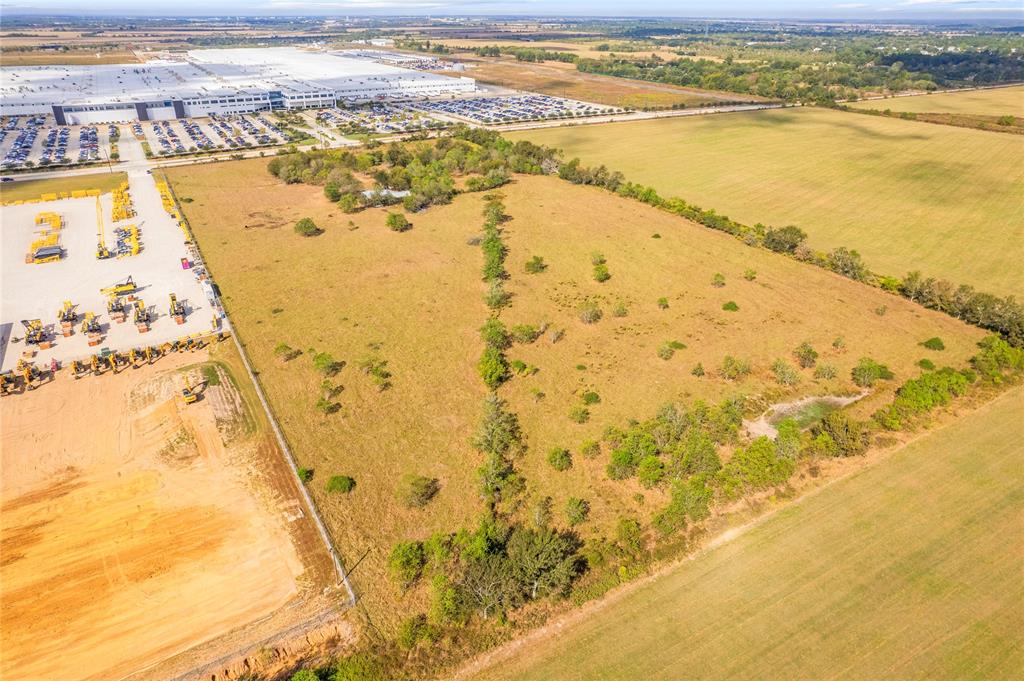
column 718, row 280
column 731, row 306
column 494, row 335
column 406, row 562
column 497, row 297
column 576, row 510
column 340, row 484
column 650, row 471
column 349, row 203
column 868, row 371
column 591, row 449
column 579, row 414
column 934, row 344
column 620, row 309
column 698, row 370
column 525, row 333
column 597, row 258
column 785, row 374
column 849, row 436
column 734, row 369
column 326, row 364
column 560, row 459
column 306, row 227
column 806, row 356
column 535, row 265
column 413, row 630
column 305, row 474
column 416, row 491
column 397, row 222
column 825, row 372
column 750, row 275
column 590, row 313
column 493, row 367
column 784, row 240
column 926, row 364
column 663, row 303
column 601, row 273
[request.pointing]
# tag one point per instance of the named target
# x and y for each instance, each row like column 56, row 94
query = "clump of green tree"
column 306, row 227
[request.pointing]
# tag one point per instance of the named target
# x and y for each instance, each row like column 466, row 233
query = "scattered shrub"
column 406, row 562
column 734, row 369
column 579, row 414
column 825, row 372
column 718, row 280
column 785, row 374
column 340, row 484
column 601, row 273
column 620, row 309
column 868, row 371
column 576, row 510
column 591, row 449
column 750, row 275
column 806, row 356
column 590, row 313
column 416, row 491
column 560, row 459
column 730, row 306
column 305, row 474
column 591, row 397
column 493, row 367
column 496, row 296
column 306, row 227
column 650, row 471
column 493, row 334
column 397, row 222
column 926, row 364
column 698, row 370
column 535, row 265
column 849, row 436
column 663, row 303
column 934, row 344
column 597, row 258
column 525, row 333
column 784, row 240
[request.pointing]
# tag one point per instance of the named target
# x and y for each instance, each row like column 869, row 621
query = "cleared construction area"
column 92, row 275
column 146, row 524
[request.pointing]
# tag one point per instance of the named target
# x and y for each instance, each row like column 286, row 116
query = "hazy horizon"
column 869, row 10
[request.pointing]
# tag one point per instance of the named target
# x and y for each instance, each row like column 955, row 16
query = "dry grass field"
column 909, row 569
column 32, row 189
column 76, row 56
column 585, row 49
column 563, row 80
column 992, row 102
column 135, row 527
column 940, row 199
column 414, row 299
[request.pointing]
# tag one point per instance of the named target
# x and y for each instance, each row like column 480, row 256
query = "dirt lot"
column 137, row 530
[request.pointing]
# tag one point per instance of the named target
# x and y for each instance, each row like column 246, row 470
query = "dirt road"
column 134, row 527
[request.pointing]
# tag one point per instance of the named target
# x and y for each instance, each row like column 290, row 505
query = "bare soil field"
column 908, row 569
column 563, row 80
column 414, row 299
column 135, row 527
column 907, row 196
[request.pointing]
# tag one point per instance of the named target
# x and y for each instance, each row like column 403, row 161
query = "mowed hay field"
column 943, row 200
column 1004, row 101
column 415, row 300
column 910, row 569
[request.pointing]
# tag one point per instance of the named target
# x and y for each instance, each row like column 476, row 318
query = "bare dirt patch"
column 133, row 530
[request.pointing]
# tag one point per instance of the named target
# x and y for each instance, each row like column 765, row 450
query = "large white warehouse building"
column 213, row 81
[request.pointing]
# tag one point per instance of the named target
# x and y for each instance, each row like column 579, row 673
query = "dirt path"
column 135, row 527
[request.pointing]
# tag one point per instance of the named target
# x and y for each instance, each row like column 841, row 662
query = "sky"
column 889, row 10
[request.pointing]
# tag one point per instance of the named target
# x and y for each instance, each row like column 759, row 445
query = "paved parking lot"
column 379, row 118
column 192, row 135
column 511, row 108
column 37, row 291
column 36, row 141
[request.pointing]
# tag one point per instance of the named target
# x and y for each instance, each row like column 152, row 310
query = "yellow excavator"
column 142, row 316
column 177, row 310
column 189, row 393
column 30, row 375
column 90, row 324
column 34, row 332
column 8, row 383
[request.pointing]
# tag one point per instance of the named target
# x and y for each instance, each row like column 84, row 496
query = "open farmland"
column 563, row 80
column 135, row 527
column 909, row 569
column 939, row 199
column 1008, row 101
column 414, row 300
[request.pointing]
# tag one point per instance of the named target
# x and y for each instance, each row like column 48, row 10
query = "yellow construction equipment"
column 47, row 247
column 78, row 369
column 189, row 393
column 34, row 332
column 142, row 316
column 91, row 324
column 8, row 383
column 30, row 375
column 116, row 309
column 123, row 208
column 102, row 252
column 120, row 288
column 177, row 310
column 67, row 317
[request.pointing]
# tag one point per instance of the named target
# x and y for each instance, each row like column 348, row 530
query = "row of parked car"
column 377, row 117
column 88, row 144
column 167, row 138
column 513, row 108
column 20, row 149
